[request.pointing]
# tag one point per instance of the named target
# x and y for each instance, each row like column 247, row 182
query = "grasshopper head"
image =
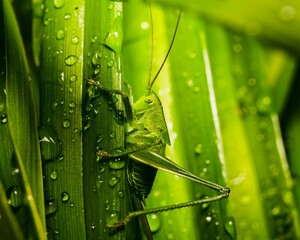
column 147, row 101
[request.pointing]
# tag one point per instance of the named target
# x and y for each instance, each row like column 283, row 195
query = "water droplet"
column 260, row 137
column 15, row 171
column 112, row 217
column 251, row 82
column 53, row 175
column 71, row 60
column 67, row 16
column 154, row 222
column 264, row 105
column 14, row 196
column 46, row 21
column 198, row 149
column 170, row 235
column 54, row 105
column 287, row 13
column 276, row 210
column 110, row 6
column 94, row 39
column 51, row 206
column 113, row 40
column 71, row 89
column 59, row 3
column 110, row 63
column 230, row 227
column 237, row 47
column 96, row 58
column 61, row 157
column 121, row 194
column 113, row 181
column 75, row 40
column 73, row 78
column 99, row 139
column 65, row 197
column 116, row 164
column 2, row 107
column 145, row 25
column 72, row 104
column 97, row 69
column 51, row 146
column 56, row 231
column 66, row 123
column 93, row 226
column 60, row 34
column 4, row 119
column 208, row 219
column 99, row 185
column 112, row 135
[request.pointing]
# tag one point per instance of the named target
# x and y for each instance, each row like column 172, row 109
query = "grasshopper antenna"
column 152, row 47
column 150, row 83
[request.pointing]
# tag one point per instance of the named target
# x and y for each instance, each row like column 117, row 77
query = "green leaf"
column 8, row 223
column 275, row 21
column 23, row 125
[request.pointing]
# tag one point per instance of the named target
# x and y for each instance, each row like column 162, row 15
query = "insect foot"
column 225, row 191
column 117, row 225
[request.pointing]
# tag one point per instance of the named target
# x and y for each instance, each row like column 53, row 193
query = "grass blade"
column 22, row 123
column 275, row 21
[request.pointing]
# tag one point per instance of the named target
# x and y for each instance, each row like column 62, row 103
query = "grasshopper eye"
column 149, row 100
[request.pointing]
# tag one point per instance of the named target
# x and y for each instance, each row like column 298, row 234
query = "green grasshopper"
column 146, row 140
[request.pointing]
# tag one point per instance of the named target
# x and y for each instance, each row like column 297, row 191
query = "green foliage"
column 228, row 89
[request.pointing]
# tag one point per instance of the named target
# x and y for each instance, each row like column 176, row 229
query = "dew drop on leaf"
column 94, row 39
column 58, row 3
column 198, row 149
column 75, row 40
column 71, row 60
column 154, row 222
column 14, row 196
column 110, row 63
column 93, row 226
column 208, row 219
column 73, row 78
column 4, row 119
column 51, row 206
column 67, row 16
column 54, row 105
column 60, row 35
column 112, row 217
column 51, row 146
column 72, row 104
column 53, row 175
column 2, row 107
column 113, row 181
column 66, row 123
column 230, row 227
column 96, row 58
column 112, row 135
column 110, row 6
column 116, row 164
column 65, row 197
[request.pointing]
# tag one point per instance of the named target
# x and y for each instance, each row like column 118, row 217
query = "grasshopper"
column 146, row 140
